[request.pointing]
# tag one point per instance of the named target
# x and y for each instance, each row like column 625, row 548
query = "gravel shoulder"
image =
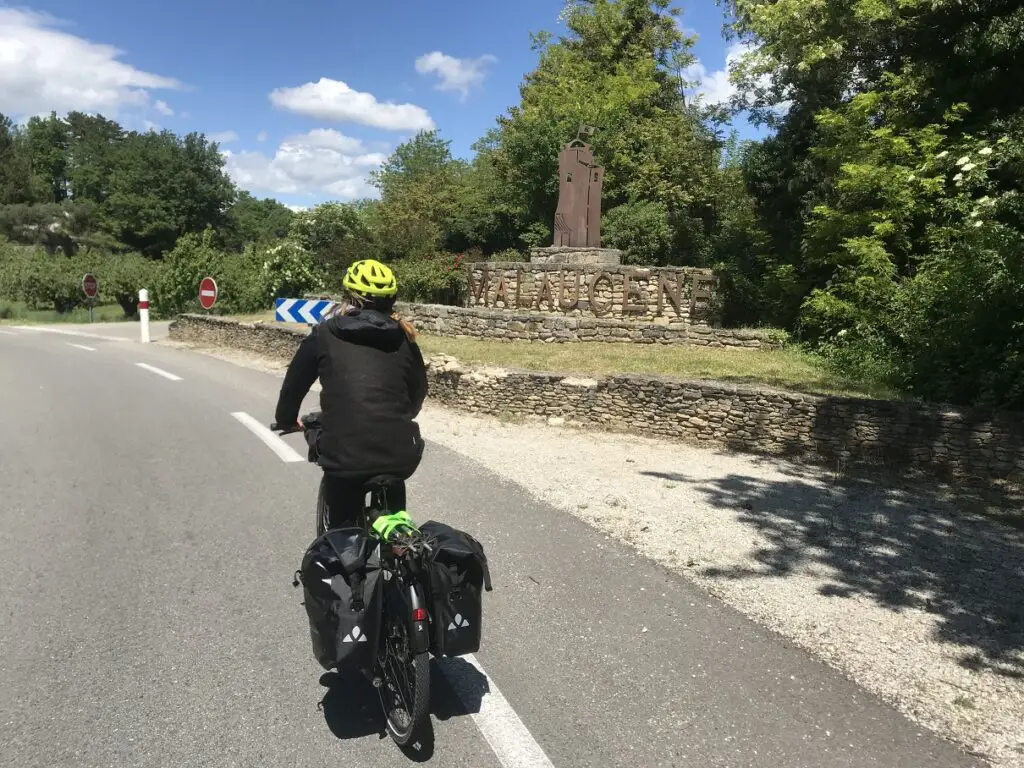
column 902, row 587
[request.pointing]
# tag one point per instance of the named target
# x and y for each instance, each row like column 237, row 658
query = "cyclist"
column 373, row 383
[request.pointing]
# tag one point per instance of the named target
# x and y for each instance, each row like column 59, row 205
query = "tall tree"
column 48, row 149
column 162, row 186
column 93, row 141
column 251, row 220
column 421, row 186
column 15, row 164
column 618, row 69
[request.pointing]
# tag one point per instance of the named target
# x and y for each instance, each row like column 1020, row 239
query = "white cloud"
column 223, row 137
column 322, row 161
column 262, row 136
column 149, row 125
column 714, row 87
column 455, row 74
column 45, row 69
column 296, row 208
column 334, row 100
column 163, row 108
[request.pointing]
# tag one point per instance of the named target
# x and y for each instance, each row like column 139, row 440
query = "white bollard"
column 144, row 315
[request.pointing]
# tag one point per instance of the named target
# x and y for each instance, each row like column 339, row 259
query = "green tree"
column 251, row 220
column 618, row 69
column 899, row 168
column 48, row 141
column 421, row 186
column 15, row 164
column 163, row 186
column 92, row 143
column 122, row 275
column 333, row 235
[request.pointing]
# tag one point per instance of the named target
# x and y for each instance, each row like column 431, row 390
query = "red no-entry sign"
column 89, row 286
column 207, row 292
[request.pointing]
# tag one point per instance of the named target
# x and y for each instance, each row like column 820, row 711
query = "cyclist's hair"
column 384, row 305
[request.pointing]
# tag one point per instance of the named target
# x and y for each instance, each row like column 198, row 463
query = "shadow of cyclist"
column 352, row 710
column 351, row 706
column 457, row 688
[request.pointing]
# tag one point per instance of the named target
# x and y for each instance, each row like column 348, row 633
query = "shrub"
column 436, row 279
column 192, row 258
column 640, row 229
column 289, row 270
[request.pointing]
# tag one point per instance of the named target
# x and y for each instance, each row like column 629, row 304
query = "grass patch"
column 787, row 368
column 18, row 312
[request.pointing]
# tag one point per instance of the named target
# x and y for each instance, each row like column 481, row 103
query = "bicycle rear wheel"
column 405, row 692
column 322, row 511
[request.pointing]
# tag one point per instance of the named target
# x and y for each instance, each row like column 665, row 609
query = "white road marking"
column 273, row 441
column 159, row 372
column 500, row 725
column 64, row 332
column 82, row 346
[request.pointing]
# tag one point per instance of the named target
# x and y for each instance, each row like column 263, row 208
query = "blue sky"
column 307, row 96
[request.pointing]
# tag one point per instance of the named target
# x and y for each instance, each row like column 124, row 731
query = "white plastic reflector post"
column 144, row 315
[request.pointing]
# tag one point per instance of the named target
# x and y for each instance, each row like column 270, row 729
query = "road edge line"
column 506, row 735
column 284, row 451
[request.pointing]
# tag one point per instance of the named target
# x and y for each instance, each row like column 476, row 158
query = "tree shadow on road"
column 915, row 546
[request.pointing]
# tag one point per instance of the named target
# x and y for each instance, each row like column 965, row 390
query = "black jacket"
column 373, row 385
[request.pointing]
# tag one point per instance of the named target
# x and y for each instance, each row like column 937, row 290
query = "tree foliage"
column 139, row 191
column 891, row 191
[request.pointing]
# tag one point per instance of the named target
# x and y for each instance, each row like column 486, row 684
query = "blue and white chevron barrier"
column 310, row 311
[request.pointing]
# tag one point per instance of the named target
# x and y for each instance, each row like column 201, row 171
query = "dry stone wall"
column 440, row 320
column 676, row 295
column 960, row 444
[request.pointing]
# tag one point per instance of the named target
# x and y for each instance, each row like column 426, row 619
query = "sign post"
column 144, row 315
column 207, row 292
column 91, row 288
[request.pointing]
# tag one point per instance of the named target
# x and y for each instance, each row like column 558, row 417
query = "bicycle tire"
column 323, row 513
column 403, row 729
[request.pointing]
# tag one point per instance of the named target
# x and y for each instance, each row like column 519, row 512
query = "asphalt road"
column 147, row 617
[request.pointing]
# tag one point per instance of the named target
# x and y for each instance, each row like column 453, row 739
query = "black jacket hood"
column 367, row 326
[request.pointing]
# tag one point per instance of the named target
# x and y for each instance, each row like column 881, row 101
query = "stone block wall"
column 678, row 295
column 500, row 325
column 555, row 254
column 900, row 436
column 937, row 441
column 277, row 342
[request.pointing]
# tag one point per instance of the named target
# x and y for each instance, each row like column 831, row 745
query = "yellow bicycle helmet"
column 369, row 277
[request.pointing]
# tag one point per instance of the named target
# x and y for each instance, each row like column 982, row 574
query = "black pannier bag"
column 343, row 586
column 458, row 576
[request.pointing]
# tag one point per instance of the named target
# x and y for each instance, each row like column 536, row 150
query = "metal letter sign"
column 309, row 311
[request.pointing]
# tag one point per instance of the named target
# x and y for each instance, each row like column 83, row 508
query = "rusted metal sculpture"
column 578, row 215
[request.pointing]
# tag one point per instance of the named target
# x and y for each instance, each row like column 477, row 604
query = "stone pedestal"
column 574, row 255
